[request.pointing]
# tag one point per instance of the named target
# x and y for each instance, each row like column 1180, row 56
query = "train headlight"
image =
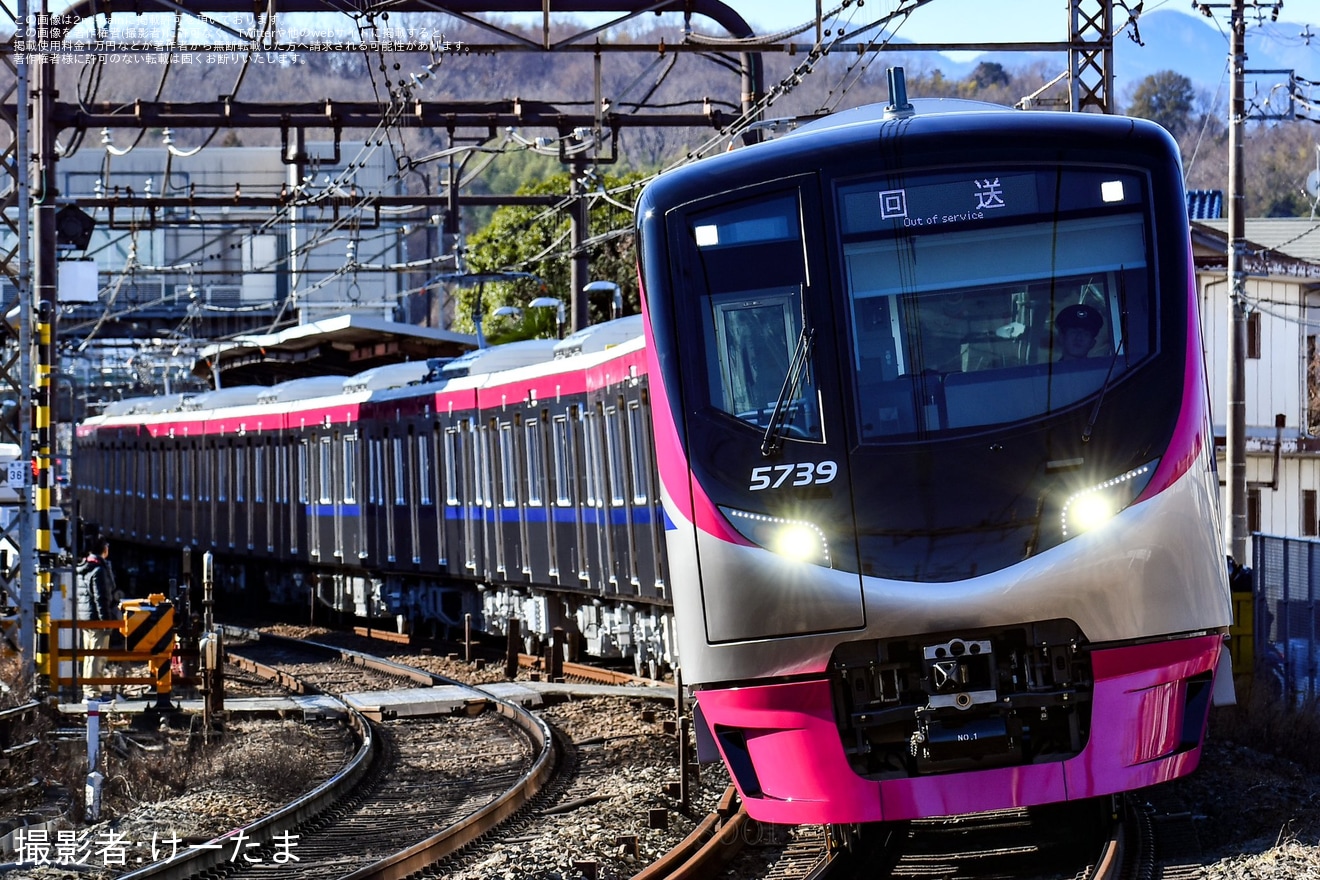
column 794, row 539
column 1095, row 505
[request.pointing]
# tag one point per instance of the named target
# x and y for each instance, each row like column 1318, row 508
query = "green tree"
column 535, row 240
column 1166, row 97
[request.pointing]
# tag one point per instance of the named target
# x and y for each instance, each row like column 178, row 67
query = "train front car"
column 935, row 449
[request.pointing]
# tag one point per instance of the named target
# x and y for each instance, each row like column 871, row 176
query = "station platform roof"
column 339, row 346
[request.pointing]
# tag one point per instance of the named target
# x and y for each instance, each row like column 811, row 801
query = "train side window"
column 451, row 454
column 222, row 474
column 397, row 468
column 282, row 473
column 562, row 449
column 424, row 470
column 508, row 465
column 259, row 473
column 240, row 472
column 171, row 467
column 535, row 462
column 594, row 493
column 350, row 469
column 304, row 490
column 638, row 443
column 481, row 483
column 185, row 473
column 325, row 465
column 614, row 455
column 203, row 472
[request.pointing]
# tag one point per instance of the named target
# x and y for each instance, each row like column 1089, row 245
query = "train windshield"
column 757, row 341
column 977, row 299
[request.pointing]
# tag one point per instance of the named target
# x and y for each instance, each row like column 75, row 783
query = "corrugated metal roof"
column 1205, row 204
column 1296, row 237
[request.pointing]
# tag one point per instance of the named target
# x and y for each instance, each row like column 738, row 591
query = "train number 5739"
column 802, row 473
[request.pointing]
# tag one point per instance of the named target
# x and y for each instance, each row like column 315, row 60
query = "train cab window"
column 947, row 334
column 350, row 469
column 535, row 449
column 563, row 462
column 757, row 343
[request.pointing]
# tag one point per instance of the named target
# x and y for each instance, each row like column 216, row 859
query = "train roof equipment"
column 599, row 337
column 500, row 357
column 302, row 389
column 241, row 395
column 388, row 376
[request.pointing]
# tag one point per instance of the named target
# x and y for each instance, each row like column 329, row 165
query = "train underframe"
column 606, row 628
column 962, row 701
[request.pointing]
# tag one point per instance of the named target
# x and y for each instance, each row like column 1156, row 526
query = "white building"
column 1282, row 371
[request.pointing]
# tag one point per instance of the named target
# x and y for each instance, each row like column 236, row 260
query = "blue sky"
column 985, row 20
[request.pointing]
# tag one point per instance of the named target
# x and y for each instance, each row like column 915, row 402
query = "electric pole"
column 1235, row 439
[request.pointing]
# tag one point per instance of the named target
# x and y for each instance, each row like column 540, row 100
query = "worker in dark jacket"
column 96, row 590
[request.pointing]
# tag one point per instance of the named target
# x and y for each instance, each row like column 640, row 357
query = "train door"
column 323, row 498
column 242, row 536
column 263, row 499
column 206, row 491
column 507, row 518
column 332, row 489
column 392, row 498
column 437, row 480
column 615, row 491
column 537, row 536
column 755, row 315
column 353, row 525
column 463, row 493
column 595, row 510
column 486, row 505
column 290, row 456
column 304, row 535
column 647, row 547
column 413, row 496
column 187, row 503
column 151, row 511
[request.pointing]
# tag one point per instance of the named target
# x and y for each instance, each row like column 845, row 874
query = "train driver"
column 1078, row 327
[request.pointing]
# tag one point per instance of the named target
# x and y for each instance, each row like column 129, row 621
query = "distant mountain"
column 1189, row 44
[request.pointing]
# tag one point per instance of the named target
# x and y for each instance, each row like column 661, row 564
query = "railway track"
column 387, row 813
column 1074, row 840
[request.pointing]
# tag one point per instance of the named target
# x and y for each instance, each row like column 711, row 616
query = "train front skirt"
column 1151, row 703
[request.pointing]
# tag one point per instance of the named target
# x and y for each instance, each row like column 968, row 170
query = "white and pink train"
column 908, row 462
column 935, row 450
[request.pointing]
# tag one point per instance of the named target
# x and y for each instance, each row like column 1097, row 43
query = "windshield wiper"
column 797, row 368
column 1109, row 374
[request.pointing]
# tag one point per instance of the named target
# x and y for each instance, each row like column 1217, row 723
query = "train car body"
column 515, row 482
column 923, row 562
